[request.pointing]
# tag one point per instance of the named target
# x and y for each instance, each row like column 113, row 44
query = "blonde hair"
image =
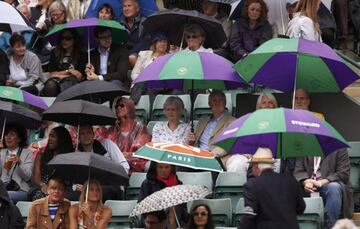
column 269, row 96
column 309, row 8
column 86, row 186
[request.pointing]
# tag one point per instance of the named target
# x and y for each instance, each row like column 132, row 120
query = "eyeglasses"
column 68, row 38
column 121, row 105
column 54, row 15
column 200, row 213
column 192, row 36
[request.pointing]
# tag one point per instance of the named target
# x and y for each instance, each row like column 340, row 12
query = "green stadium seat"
column 230, row 185
column 202, row 178
column 354, row 155
column 313, row 216
column 239, row 211
column 220, row 208
column 24, row 207
column 121, row 210
column 135, row 181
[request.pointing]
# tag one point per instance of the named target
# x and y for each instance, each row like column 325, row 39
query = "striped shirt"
column 52, row 210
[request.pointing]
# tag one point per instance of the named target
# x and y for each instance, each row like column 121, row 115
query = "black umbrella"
column 172, row 23
column 79, row 167
column 10, row 112
column 79, row 112
column 94, row 91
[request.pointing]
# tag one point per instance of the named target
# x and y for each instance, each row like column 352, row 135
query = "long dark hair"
column 19, row 130
column 77, row 48
column 210, row 222
column 64, row 145
column 264, row 9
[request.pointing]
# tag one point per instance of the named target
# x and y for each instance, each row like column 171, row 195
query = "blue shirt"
column 208, row 132
column 104, row 56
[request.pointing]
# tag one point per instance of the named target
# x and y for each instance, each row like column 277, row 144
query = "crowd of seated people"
column 30, row 62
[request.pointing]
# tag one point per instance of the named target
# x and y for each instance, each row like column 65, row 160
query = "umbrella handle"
column 3, row 130
column 176, row 218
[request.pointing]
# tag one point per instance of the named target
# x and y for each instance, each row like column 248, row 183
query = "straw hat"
column 263, row 155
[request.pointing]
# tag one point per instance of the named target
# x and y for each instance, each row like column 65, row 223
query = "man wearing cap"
column 330, row 175
column 272, row 200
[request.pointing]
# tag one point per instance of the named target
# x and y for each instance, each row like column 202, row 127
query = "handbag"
column 12, row 185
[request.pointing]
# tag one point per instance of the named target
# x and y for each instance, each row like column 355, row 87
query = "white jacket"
column 302, row 26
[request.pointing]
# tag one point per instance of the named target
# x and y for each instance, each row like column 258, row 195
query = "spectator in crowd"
column 160, row 176
column 341, row 13
column 326, row 21
column 330, row 177
column 195, row 37
column 52, row 209
column 106, row 147
column 109, row 61
column 106, row 12
column 173, row 130
column 201, row 217
column 132, row 20
column 302, row 102
column 127, row 133
column 160, row 46
column 25, row 66
column 154, row 220
column 38, row 12
column 209, row 128
column 67, row 64
column 272, row 200
column 4, row 67
column 266, row 101
column 14, row 3
column 251, row 30
column 90, row 214
column 56, row 15
column 59, row 142
column 17, row 167
column 305, row 23
column 10, row 216
column 77, row 9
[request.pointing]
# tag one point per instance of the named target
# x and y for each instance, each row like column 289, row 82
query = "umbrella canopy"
column 11, row 20
column 76, row 167
column 188, row 70
column 179, row 154
column 172, row 23
column 147, row 7
column 79, row 112
column 94, row 91
column 16, row 94
column 10, row 112
column 287, row 64
column 169, row 197
column 86, row 27
column 287, row 132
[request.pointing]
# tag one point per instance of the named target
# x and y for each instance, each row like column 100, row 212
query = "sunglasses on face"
column 67, row 38
column 192, row 36
column 121, row 105
column 200, row 213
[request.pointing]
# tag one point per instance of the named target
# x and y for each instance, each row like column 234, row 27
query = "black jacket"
column 4, row 67
column 272, row 201
column 10, row 216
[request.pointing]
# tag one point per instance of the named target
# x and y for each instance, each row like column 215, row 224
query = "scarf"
column 170, row 181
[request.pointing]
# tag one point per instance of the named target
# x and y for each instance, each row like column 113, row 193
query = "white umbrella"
column 12, row 20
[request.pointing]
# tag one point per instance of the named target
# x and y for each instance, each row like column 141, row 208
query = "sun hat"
column 262, row 155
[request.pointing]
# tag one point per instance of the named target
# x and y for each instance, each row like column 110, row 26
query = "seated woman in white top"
column 25, row 66
column 304, row 23
column 195, row 38
column 173, row 130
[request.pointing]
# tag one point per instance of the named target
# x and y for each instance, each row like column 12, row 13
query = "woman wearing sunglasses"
column 201, row 218
column 195, row 37
column 67, row 64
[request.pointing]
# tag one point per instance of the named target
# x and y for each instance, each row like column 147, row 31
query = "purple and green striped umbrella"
column 16, row 94
column 86, row 27
column 287, row 132
column 187, row 70
column 287, row 64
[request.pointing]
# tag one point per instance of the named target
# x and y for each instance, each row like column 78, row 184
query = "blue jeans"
column 332, row 195
column 16, row 196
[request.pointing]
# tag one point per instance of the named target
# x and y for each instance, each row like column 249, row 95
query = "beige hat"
column 262, row 155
